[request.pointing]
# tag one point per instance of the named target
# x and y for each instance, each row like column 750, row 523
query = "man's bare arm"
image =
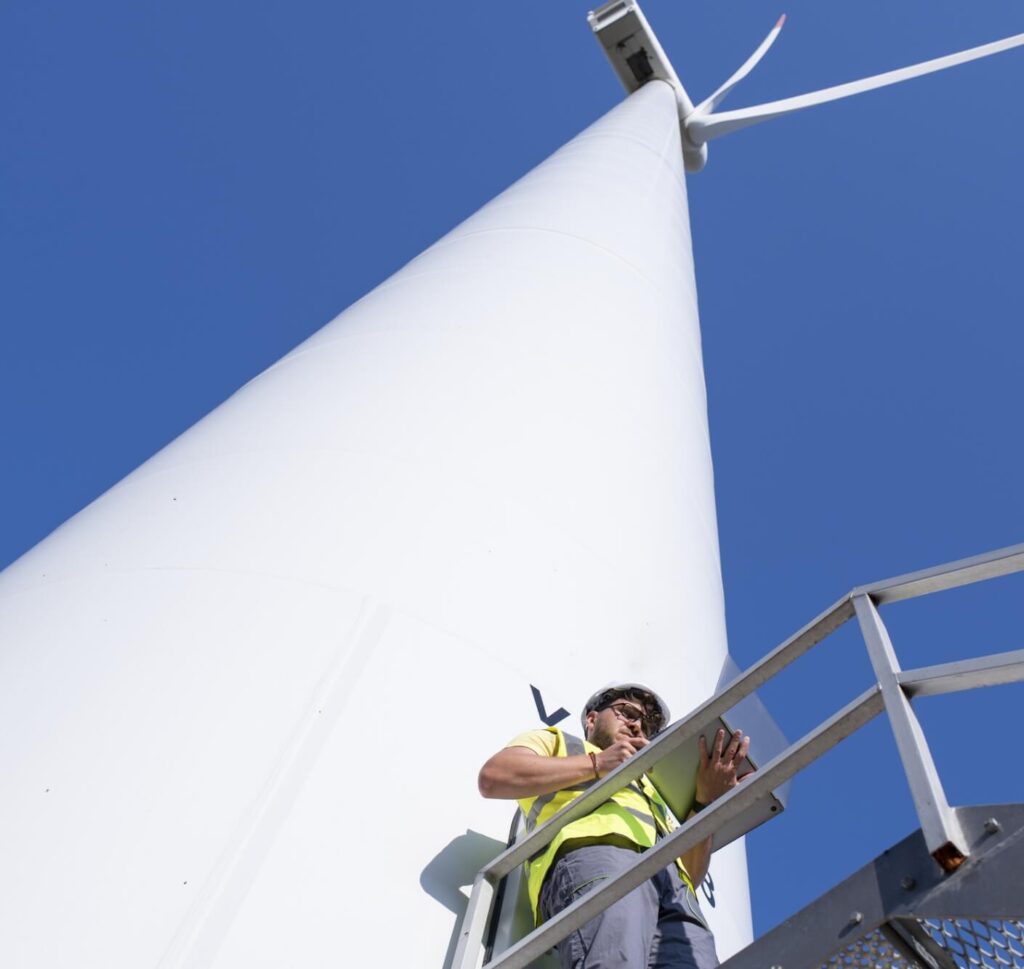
column 697, row 860
column 517, row 772
column 520, row 772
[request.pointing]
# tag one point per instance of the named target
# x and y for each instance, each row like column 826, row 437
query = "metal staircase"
column 950, row 895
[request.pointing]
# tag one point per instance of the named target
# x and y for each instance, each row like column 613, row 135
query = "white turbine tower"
column 487, row 481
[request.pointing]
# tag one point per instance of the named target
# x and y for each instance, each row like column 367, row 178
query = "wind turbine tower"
column 475, row 495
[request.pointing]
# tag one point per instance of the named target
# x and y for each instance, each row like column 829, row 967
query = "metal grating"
column 973, row 944
column 871, row 951
column 970, row 943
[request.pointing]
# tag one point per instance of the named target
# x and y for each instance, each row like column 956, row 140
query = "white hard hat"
column 609, row 689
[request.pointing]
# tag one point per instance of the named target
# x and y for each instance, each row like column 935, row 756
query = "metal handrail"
column 891, row 692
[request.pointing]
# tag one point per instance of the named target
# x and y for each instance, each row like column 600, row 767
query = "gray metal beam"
column 778, row 770
column 968, row 674
column 1002, row 561
column 938, row 821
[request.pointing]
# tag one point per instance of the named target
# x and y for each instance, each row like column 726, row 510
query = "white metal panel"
column 244, row 695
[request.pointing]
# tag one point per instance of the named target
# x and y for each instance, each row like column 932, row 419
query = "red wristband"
column 593, row 760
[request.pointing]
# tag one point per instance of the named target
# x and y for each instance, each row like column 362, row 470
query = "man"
column 659, row 925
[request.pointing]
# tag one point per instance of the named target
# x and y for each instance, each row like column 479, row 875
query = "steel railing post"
column 939, row 823
column 474, row 924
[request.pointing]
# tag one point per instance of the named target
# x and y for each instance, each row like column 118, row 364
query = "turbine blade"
column 709, row 104
column 703, row 127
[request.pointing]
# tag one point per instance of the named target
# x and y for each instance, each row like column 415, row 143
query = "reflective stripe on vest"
column 636, row 814
column 573, row 746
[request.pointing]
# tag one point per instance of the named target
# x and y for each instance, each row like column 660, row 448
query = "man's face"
column 620, row 719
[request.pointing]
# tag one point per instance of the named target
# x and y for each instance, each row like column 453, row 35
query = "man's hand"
column 718, row 771
column 619, row 752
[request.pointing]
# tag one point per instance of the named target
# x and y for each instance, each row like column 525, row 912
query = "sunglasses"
column 650, row 723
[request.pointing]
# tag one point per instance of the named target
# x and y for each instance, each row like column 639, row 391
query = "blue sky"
column 189, row 190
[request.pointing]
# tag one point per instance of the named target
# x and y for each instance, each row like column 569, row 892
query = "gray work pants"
column 658, row 925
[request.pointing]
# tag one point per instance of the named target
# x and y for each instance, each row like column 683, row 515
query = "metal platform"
column 902, row 911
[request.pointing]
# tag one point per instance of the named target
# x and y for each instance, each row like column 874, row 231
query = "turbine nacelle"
column 638, row 58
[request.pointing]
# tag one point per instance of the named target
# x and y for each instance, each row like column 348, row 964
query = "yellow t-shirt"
column 542, row 742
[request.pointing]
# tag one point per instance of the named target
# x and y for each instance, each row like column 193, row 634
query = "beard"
column 601, row 737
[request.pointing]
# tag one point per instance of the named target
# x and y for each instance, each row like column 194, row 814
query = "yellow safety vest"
column 636, row 813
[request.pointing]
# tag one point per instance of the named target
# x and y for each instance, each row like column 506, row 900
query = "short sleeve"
column 542, row 742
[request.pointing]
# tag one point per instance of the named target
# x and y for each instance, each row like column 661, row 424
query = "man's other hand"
column 718, row 772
